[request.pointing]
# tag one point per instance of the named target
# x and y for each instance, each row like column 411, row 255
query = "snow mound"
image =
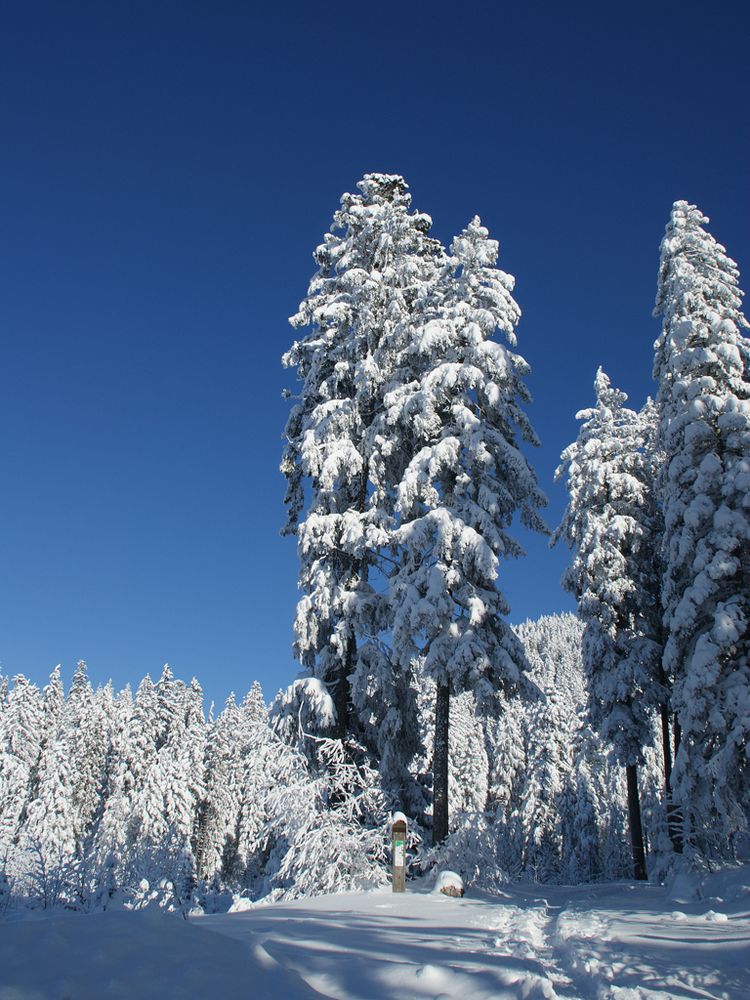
column 449, row 884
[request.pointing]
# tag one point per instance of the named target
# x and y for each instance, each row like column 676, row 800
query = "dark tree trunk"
column 440, row 765
column 666, row 748
column 636, row 830
column 673, row 824
column 341, row 699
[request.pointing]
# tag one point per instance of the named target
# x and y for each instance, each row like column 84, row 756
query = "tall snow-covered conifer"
column 450, row 433
column 702, row 364
column 375, row 266
column 609, row 526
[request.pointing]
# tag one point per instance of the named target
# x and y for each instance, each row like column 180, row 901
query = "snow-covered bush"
column 470, row 850
column 327, row 829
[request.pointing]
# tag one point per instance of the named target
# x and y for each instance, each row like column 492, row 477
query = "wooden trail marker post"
column 399, row 852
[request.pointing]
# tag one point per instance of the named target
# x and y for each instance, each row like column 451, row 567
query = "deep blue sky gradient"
column 166, row 170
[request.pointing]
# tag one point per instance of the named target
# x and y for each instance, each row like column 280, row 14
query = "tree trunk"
column 666, row 748
column 440, row 765
column 673, row 824
column 636, row 830
column 341, row 699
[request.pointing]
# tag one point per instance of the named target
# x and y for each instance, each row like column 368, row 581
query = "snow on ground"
column 605, row 942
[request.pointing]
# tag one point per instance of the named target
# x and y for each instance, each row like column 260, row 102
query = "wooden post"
column 399, row 852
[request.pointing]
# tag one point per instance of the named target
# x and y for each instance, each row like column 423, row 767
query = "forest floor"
column 623, row 941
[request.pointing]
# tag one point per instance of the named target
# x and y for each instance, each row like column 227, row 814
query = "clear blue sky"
column 166, row 170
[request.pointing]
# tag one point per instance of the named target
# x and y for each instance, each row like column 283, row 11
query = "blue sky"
column 167, row 169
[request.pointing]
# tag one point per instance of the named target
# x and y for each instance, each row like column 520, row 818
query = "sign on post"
column 399, row 852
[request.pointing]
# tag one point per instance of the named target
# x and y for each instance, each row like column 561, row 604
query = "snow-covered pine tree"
column 20, row 743
column 254, row 708
column 216, row 842
column 608, row 524
column 136, row 746
column 560, row 836
column 49, row 824
column 86, row 733
column 468, row 763
column 325, row 829
column 450, row 428
column 374, row 267
column 167, row 803
column 53, row 701
column 702, row 365
column 548, row 769
column 264, row 766
column 239, row 755
column 651, row 584
column 505, row 738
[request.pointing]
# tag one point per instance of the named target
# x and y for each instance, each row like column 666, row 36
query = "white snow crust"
column 611, row 942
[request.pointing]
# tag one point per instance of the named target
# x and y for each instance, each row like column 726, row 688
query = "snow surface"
column 611, row 942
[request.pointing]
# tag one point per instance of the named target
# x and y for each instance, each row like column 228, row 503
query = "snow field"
column 616, row 941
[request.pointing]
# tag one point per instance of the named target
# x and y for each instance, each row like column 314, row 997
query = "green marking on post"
column 399, row 853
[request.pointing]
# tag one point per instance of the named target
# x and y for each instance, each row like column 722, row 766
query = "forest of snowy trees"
column 110, row 798
column 573, row 748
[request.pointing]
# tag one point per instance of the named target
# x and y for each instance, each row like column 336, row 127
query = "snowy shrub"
column 327, row 830
column 470, row 850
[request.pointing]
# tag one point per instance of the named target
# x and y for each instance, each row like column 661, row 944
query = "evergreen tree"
column 651, row 582
column 263, row 768
column 548, row 768
column 123, row 823
column 702, row 365
column 53, row 701
column 608, row 524
column 468, row 762
column 86, row 734
column 325, row 830
column 50, row 827
column 556, row 821
column 505, row 739
column 20, row 745
column 468, row 765
column 450, row 428
column 254, row 709
column 374, row 267
column 219, row 812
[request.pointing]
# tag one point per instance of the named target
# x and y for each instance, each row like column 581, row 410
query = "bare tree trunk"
column 636, row 830
column 440, row 765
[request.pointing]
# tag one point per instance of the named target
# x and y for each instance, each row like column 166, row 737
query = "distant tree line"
column 112, row 799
